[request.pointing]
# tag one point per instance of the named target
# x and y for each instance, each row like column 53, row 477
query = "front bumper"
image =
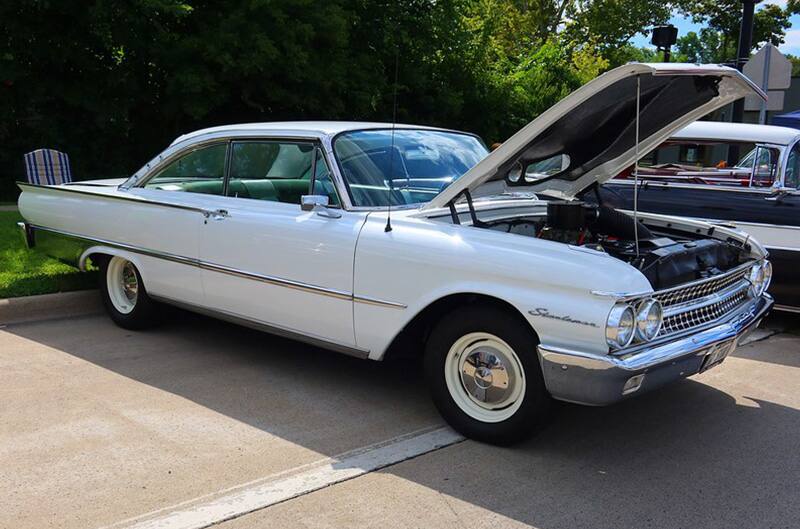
column 598, row 380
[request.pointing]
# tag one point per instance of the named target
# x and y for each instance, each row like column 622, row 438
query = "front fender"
column 550, row 284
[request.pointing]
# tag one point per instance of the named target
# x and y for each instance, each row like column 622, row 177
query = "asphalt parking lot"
column 199, row 422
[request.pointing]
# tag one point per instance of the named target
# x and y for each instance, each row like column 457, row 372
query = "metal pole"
column 743, row 53
column 762, row 114
column 667, row 53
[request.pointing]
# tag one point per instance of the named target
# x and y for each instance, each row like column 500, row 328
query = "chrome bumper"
column 599, row 380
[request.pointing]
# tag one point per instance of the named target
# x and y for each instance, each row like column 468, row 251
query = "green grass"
column 24, row 272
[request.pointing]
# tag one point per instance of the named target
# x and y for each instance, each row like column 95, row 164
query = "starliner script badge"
column 544, row 313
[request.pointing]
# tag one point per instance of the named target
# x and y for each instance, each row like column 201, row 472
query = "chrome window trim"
column 154, row 165
column 214, row 267
column 174, row 156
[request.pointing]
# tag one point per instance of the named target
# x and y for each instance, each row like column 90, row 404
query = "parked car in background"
column 689, row 175
column 378, row 240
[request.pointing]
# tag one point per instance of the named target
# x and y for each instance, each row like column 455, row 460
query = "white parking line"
column 226, row 505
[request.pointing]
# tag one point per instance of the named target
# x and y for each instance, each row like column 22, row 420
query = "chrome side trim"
column 205, row 265
column 288, row 283
column 620, row 295
column 681, row 185
column 379, row 302
column 266, row 327
column 782, row 248
column 787, row 308
column 138, row 200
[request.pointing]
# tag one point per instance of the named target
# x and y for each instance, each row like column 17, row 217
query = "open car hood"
column 595, row 126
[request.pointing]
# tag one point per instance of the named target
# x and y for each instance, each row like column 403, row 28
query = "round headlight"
column 649, row 317
column 766, row 270
column 621, row 326
column 756, row 278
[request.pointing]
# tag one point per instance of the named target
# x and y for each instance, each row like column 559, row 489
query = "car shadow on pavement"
column 686, row 456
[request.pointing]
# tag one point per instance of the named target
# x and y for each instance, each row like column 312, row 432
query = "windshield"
column 419, row 163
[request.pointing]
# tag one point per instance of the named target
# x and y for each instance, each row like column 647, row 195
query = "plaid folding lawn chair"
column 47, row 167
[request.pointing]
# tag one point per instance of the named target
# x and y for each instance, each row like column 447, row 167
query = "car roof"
column 295, row 128
column 742, row 132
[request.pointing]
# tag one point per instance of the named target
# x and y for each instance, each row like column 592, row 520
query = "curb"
column 50, row 306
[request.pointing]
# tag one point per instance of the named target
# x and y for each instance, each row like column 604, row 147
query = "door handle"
column 217, row 214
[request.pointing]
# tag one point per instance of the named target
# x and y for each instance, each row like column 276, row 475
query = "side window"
column 765, row 159
column 275, row 171
column 792, row 178
column 200, row 171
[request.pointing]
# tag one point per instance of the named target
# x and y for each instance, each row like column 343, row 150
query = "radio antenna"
column 636, row 169
column 388, row 227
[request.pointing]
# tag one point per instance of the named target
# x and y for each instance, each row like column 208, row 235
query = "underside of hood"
column 594, row 128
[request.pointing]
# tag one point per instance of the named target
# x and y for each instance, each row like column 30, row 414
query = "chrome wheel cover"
column 485, row 377
column 123, row 285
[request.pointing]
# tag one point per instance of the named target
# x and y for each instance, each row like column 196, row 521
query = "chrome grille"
column 703, row 301
column 679, row 295
column 695, row 317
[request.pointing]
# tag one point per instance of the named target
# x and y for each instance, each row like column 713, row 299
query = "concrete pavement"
column 100, row 426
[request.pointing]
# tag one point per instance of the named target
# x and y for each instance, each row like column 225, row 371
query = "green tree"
column 718, row 42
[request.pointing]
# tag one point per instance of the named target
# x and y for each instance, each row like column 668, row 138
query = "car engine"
column 666, row 257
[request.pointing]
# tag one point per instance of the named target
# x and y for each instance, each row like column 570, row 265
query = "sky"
column 685, row 25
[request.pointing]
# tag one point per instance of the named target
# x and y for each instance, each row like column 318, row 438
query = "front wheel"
column 124, row 295
column 483, row 371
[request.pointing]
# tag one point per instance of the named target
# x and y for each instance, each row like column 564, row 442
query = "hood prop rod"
column 454, row 213
column 636, row 168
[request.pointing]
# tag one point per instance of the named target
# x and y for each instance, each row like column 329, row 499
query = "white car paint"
column 348, row 283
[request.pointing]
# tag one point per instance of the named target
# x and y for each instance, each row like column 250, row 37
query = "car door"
column 165, row 224
column 266, row 260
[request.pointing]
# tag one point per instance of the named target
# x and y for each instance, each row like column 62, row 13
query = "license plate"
column 717, row 354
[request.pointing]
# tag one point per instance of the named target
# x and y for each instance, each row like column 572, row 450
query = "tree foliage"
column 114, row 81
column 719, row 41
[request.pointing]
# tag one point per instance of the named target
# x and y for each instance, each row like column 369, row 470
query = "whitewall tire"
column 124, row 294
column 484, row 375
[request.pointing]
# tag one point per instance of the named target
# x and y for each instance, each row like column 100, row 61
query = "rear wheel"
column 483, row 370
column 124, row 295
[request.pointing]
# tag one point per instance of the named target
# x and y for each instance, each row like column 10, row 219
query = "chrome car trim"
column 278, row 281
column 620, row 295
column 644, row 182
column 596, row 379
column 267, row 327
column 628, row 296
column 132, row 198
column 714, row 297
column 787, row 308
column 379, row 302
column 205, row 265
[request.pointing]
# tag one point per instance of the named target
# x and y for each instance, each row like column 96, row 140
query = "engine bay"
column 666, row 257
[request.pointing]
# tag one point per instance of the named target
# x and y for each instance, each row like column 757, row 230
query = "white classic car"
column 379, row 240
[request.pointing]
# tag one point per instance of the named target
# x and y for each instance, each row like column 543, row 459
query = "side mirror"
column 319, row 204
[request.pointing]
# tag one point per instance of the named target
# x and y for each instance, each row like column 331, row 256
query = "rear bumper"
column 599, row 380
